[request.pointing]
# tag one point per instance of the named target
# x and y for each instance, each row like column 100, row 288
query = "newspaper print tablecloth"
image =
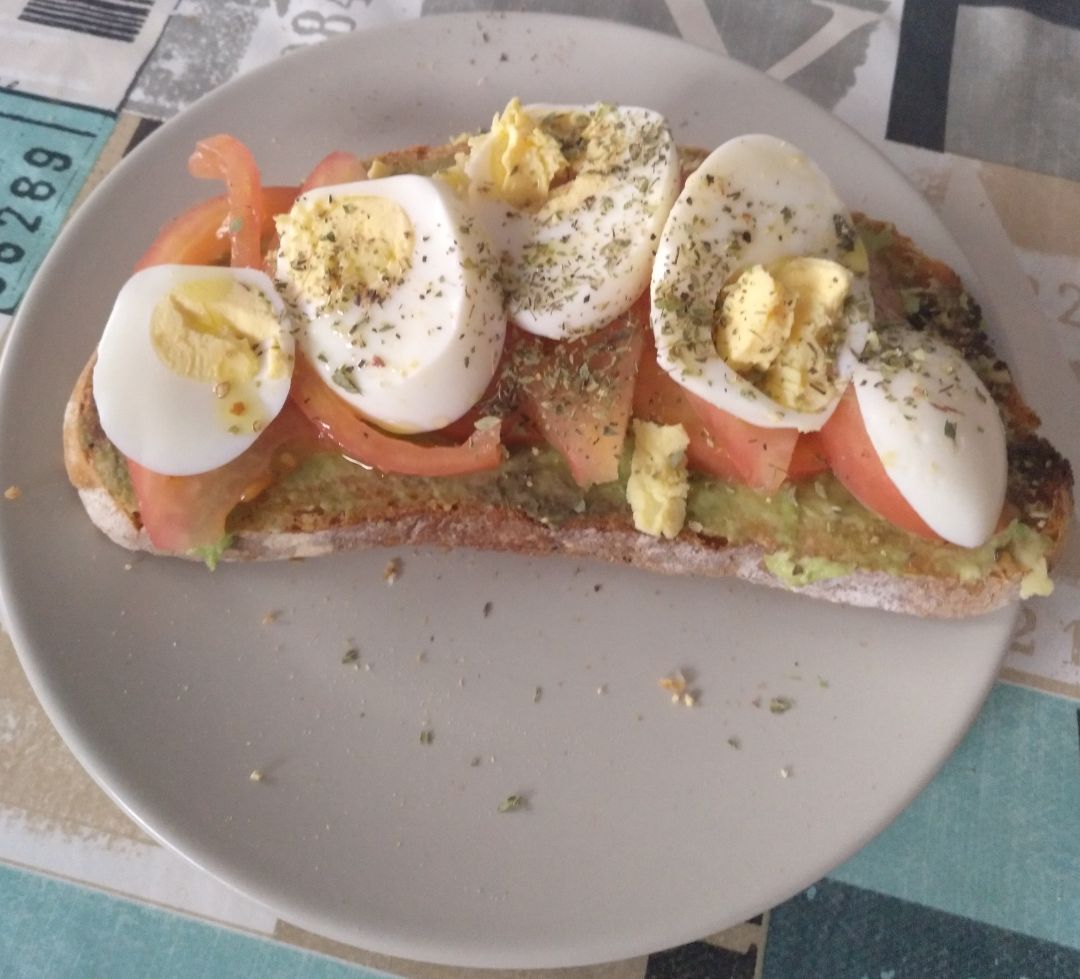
column 979, row 104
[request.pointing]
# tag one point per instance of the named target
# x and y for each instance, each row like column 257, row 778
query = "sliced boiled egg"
column 760, row 290
column 194, row 362
column 575, row 197
column 937, row 432
column 396, row 290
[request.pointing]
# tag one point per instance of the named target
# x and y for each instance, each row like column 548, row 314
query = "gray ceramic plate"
column 644, row 827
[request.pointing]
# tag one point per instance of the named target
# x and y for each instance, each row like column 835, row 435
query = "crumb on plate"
column 512, row 803
column 678, row 685
column 781, row 705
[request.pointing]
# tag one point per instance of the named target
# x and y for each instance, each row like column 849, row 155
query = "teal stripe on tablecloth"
column 996, row 836
column 63, row 931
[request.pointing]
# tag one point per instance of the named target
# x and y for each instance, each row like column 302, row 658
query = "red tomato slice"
column 720, row 443
column 658, row 398
column 581, row 393
column 854, row 461
column 516, row 428
column 225, row 158
column 196, row 237
column 500, row 399
column 338, row 167
column 809, row 457
column 183, row 513
column 762, row 456
column 370, row 446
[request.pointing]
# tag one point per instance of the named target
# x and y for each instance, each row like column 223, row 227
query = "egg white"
column 422, row 356
column 167, row 423
column 754, row 200
column 938, row 434
column 573, row 271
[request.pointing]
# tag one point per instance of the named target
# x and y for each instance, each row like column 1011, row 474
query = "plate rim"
column 19, row 627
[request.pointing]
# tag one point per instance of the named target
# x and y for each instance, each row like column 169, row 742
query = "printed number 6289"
column 25, row 191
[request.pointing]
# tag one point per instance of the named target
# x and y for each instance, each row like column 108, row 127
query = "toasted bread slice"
column 812, row 536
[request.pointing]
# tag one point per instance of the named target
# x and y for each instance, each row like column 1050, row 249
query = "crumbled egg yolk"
column 345, row 250
column 571, row 196
column 212, row 330
column 523, row 159
column 659, row 480
column 857, row 259
column 756, row 320
column 379, row 169
column 779, row 323
column 1036, row 581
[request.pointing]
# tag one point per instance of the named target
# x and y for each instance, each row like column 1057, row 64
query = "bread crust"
column 487, row 526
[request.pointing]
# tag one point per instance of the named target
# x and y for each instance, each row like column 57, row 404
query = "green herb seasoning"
column 511, row 803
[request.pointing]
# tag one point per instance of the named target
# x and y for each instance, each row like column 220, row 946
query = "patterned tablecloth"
column 978, row 102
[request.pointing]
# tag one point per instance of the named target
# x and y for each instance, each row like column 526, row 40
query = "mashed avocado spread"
column 817, row 517
column 814, row 529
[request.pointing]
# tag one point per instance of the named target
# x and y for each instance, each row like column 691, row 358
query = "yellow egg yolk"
column 379, row 169
column 214, row 330
column 778, row 325
column 523, row 159
column 571, row 196
column 345, row 251
column 756, row 320
column 857, row 259
column 659, row 481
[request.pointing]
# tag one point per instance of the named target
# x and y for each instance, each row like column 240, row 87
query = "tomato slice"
column 854, row 461
column 762, row 456
column 516, row 429
column 224, row 157
column 581, row 393
column 370, row 446
column 659, row 398
column 184, row 513
column 500, row 399
column 196, row 237
column 720, row 443
column 338, row 167
column 808, row 459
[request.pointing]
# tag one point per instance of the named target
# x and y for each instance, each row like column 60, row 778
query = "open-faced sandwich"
column 566, row 334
